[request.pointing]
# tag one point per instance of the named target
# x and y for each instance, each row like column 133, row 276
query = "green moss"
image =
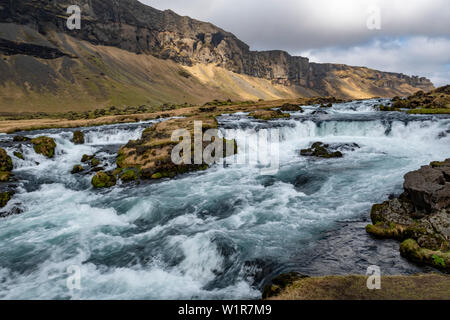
column 86, row 158
column 129, row 175
column 45, row 146
column 103, row 180
column 388, row 109
column 95, row 162
column 19, row 155
column 120, row 161
column 429, row 111
column 5, row 176
column 410, row 249
column 5, row 197
column 385, row 230
column 438, row 164
column 157, row 175
column 438, row 261
column 5, row 161
column 77, row 169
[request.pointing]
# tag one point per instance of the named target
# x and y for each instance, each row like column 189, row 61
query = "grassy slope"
column 102, row 76
column 418, row 287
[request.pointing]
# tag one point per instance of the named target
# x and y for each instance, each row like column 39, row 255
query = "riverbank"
column 38, row 122
column 352, row 287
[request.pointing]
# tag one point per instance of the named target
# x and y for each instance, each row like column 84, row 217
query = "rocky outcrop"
column 320, row 150
column 150, row 157
column 103, row 180
column 135, row 27
column 420, row 217
column 45, row 146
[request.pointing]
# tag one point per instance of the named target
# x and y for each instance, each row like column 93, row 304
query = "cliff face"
column 137, row 28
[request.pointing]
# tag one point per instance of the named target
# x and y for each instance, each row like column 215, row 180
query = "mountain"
column 129, row 53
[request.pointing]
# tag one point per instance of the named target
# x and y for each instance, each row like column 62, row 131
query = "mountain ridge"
column 140, row 29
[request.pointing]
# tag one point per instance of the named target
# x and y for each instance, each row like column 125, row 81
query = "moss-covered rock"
column 129, row 175
column 45, row 146
column 151, row 155
column 95, row 162
column 411, row 250
column 5, row 197
column 289, row 107
column 267, row 115
column 386, row 230
column 19, row 155
column 320, row 150
column 86, row 158
column 5, row 161
column 103, row 180
column 5, row 176
column 77, row 169
column 78, row 137
column 424, row 230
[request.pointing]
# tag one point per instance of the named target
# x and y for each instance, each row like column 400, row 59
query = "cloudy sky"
column 408, row 36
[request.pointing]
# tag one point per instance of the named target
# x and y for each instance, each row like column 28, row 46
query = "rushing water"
column 219, row 234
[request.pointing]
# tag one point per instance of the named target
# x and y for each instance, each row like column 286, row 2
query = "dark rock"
column 320, row 150
column 5, row 197
column 78, row 137
column 13, row 211
column 5, row 161
column 289, row 107
column 77, row 169
column 21, row 139
column 429, row 188
column 86, row 158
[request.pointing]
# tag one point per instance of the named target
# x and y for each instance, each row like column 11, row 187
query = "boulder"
column 320, row 150
column 5, row 161
column 78, row 137
column 289, row 107
column 21, row 139
column 45, row 146
column 103, row 180
column 5, row 197
column 86, row 158
column 429, row 187
column 267, row 115
column 77, row 169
